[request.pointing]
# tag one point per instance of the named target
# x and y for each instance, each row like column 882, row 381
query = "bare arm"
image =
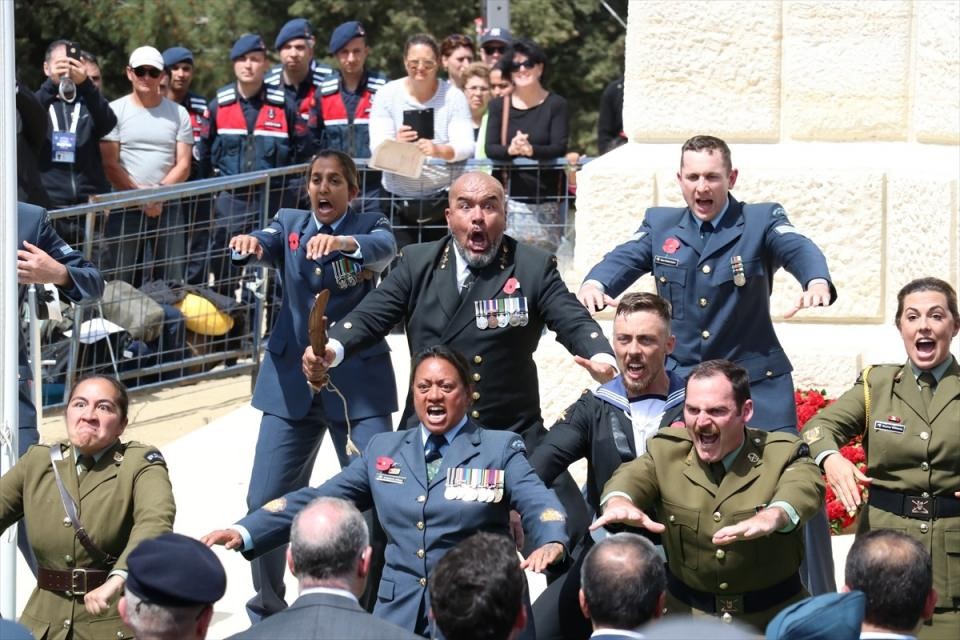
column 116, row 174
column 181, row 168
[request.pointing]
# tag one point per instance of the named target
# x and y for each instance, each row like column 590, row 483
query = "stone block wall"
column 847, row 113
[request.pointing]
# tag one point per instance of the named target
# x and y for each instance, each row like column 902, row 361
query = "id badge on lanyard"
column 64, row 143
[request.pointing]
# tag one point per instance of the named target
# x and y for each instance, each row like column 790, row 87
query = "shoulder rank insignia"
column 151, row 457
column 517, row 445
column 276, row 505
column 813, row 435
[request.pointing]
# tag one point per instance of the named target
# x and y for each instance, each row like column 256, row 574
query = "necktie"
column 326, row 229
column 432, row 454
column 717, row 471
column 84, row 464
column 926, row 382
column 706, row 228
column 468, row 282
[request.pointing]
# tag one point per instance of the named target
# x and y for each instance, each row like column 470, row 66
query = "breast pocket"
column 951, row 540
column 671, row 283
column 681, row 534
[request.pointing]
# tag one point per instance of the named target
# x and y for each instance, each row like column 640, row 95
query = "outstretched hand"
column 619, row 509
column 229, row 538
column 599, row 371
column 594, row 299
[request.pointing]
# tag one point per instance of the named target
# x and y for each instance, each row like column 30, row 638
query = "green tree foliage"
column 583, row 42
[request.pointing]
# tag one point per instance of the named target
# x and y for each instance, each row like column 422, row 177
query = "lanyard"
column 72, row 119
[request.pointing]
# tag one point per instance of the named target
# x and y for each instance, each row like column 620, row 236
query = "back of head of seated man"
column 477, row 590
column 329, row 547
column 896, row 574
column 172, row 584
column 623, row 583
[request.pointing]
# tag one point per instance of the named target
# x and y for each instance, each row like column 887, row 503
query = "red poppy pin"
column 670, row 245
column 512, row 285
column 384, row 463
column 294, row 241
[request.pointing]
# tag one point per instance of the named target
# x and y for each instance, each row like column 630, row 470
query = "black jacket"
column 69, row 184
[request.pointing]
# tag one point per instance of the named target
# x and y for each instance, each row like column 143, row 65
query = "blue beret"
column 174, row 570
column 296, row 28
column 173, row 55
column 344, row 34
column 245, row 44
column 831, row 616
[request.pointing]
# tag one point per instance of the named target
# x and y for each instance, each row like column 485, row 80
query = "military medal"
column 524, row 316
column 450, row 492
column 502, row 318
column 492, row 320
column 736, row 263
column 481, row 317
column 514, row 310
column 345, row 273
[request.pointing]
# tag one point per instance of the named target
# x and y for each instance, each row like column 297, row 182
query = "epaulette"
column 320, row 73
column 330, row 85
column 275, row 95
column 273, row 76
column 227, row 95
column 374, row 82
column 197, row 104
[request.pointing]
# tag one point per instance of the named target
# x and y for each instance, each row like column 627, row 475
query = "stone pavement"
column 207, row 433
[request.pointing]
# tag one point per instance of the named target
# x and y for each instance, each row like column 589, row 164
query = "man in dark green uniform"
column 730, row 500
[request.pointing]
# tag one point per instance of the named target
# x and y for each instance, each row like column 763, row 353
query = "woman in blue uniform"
column 333, row 248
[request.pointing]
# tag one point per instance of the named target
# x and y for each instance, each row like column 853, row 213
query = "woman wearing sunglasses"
column 532, row 123
column 406, row 110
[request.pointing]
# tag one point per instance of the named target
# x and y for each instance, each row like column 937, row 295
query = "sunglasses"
column 526, row 64
column 491, row 49
column 153, row 72
column 421, row 64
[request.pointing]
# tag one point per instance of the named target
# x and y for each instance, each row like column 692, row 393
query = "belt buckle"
column 920, row 508
column 75, row 580
column 729, row 604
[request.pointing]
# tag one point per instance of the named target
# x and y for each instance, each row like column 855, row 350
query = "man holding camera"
column 70, row 165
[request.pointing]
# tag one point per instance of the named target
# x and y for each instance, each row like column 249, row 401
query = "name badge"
column 670, row 262
column 890, row 427
column 64, row 146
column 391, row 479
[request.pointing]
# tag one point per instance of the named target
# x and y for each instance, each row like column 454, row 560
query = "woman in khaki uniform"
column 87, row 503
column 909, row 416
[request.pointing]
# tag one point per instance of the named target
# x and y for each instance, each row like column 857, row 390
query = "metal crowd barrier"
column 176, row 310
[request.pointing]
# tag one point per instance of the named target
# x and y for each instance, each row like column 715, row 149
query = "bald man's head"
column 328, row 541
column 477, row 217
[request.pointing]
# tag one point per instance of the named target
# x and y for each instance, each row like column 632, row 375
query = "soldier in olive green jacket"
column 912, row 443
column 122, row 495
column 731, row 501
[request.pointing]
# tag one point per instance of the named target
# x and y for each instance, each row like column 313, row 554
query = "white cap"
column 146, row 57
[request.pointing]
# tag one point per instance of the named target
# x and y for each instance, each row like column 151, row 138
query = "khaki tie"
column 84, row 464
column 927, row 382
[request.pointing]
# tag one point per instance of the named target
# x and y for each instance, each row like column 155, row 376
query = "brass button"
column 663, row 279
column 421, row 499
column 673, row 518
column 594, row 335
column 66, row 624
column 768, row 373
column 317, row 271
column 924, row 466
column 420, row 553
column 723, row 586
column 478, row 359
column 720, row 554
column 705, row 334
column 706, row 268
column 476, row 395
column 420, row 525
column 476, row 377
column 703, row 302
column 68, row 559
column 120, row 635
column 716, row 516
column 924, row 435
column 348, row 325
column 423, row 582
column 726, row 618
column 923, row 527
column 474, row 414
column 925, row 494
column 66, row 521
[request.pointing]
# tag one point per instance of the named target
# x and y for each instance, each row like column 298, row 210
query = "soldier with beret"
column 172, row 584
column 88, row 502
column 729, row 500
column 341, row 113
column 432, row 486
column 908, row 417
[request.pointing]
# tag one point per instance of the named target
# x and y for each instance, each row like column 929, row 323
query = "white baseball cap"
column 146, row 57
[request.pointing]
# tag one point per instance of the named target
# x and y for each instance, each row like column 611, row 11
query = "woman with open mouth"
column 329, row 247
column 909, row 417
column 432, row 486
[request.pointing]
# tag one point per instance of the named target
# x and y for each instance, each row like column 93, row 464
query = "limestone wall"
column 847, row 113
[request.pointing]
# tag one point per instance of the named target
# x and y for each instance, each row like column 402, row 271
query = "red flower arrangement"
column 809, row 402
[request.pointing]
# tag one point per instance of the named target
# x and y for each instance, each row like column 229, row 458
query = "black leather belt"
column 749, row 602
column 73, row 582
column 917, row 507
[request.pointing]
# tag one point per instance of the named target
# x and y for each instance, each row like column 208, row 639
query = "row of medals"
column 501, row 312
column 345, row 273
column 736, row 263
column 474, row 485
